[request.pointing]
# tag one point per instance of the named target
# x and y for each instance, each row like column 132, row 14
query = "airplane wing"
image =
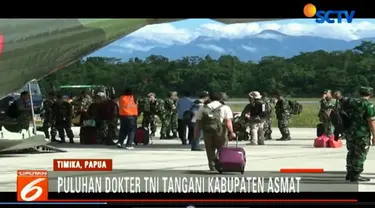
column 33, row 48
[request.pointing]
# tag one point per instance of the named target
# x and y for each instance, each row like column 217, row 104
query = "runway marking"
column 301, row 170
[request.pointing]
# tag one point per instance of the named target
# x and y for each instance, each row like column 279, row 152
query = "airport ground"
column 170, row 155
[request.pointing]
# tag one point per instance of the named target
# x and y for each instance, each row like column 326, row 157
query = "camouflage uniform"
column 150, row 110
column 358, row 135
column 167, row 122
column 245, row 122
column 48, row 120
column 112, row 124
column 62, row 115
column 174, row 121
column 268, row 122
column 82, row 104
column 282, row 110
column 326, row 106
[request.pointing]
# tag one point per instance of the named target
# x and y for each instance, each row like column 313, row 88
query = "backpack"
column 12, row 110
column 260, row 109
column 189, row 114
column 295, row 107
column 211, row 121
column 342, row 119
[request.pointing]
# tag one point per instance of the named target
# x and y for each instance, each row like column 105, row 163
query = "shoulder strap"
column 217, row 108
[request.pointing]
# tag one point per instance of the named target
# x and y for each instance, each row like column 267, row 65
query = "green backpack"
column 211, row 121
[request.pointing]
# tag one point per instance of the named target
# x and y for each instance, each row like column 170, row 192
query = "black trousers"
column 182, row 127
column 62, row 127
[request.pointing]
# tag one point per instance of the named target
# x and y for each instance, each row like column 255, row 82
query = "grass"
column 307, row 119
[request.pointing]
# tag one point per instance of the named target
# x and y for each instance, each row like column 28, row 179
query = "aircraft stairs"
column 33, row 144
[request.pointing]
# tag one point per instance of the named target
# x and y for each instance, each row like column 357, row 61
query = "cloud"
column 166, row 34
column 212, row 47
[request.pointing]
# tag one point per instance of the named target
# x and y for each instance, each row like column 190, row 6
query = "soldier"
column 113, row 121
column 152, row 107
column 358, row 136
column 24, row 108
column 62, row 115
column 282, row 110
column 174, row 118
column 99, row 111
column 48, row 117
column 197, row 104
column 258, row 113
column 82, row 103
column 245, row 119
column 167, row 121
column 268, row 122
column 340, row 100
column 327, row 104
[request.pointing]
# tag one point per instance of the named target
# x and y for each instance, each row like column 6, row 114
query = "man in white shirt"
column 212, row 140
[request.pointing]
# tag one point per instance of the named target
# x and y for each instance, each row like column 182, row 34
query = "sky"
column 185, row 31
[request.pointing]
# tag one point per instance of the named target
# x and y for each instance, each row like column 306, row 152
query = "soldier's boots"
column 163, row 136
column 356, row 178
column 71, row 140
column 284, row 139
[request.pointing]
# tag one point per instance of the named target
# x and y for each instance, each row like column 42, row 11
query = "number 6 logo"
column 32, row 186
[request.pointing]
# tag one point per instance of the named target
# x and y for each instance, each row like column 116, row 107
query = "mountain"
column 252, row 47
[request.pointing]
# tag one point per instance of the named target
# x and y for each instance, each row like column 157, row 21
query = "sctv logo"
column 325, row 16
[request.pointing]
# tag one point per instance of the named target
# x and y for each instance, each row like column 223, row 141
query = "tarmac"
column 170, row 155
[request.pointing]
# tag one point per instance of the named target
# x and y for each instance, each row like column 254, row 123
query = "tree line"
column 304, row 75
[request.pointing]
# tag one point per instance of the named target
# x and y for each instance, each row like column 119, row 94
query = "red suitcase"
column 231, row 159
column 334, row 144
column 321, row 141
column 87, row 135
column 142, row 136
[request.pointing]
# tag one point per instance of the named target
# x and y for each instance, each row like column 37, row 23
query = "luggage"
column 319, row 129
column 142, row 136
column 295, row 107
column 87, row 135
column 321, row 141
column 231, row 159
column 334, row 144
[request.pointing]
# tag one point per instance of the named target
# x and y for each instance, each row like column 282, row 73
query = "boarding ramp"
column 33, row 144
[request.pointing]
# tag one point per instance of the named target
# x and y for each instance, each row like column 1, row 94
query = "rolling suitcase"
column 87, row 135
column 231, row 159
column 319, row 129
column 142, row 136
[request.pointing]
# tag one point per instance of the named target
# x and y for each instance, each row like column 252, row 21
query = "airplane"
column 30, row 49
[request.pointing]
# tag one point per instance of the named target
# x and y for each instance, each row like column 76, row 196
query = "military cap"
column 366, row 90
column 336, row 91
column 151, row 94
column 327, row 91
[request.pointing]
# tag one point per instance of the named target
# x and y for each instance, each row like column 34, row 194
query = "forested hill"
column 305, row 75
